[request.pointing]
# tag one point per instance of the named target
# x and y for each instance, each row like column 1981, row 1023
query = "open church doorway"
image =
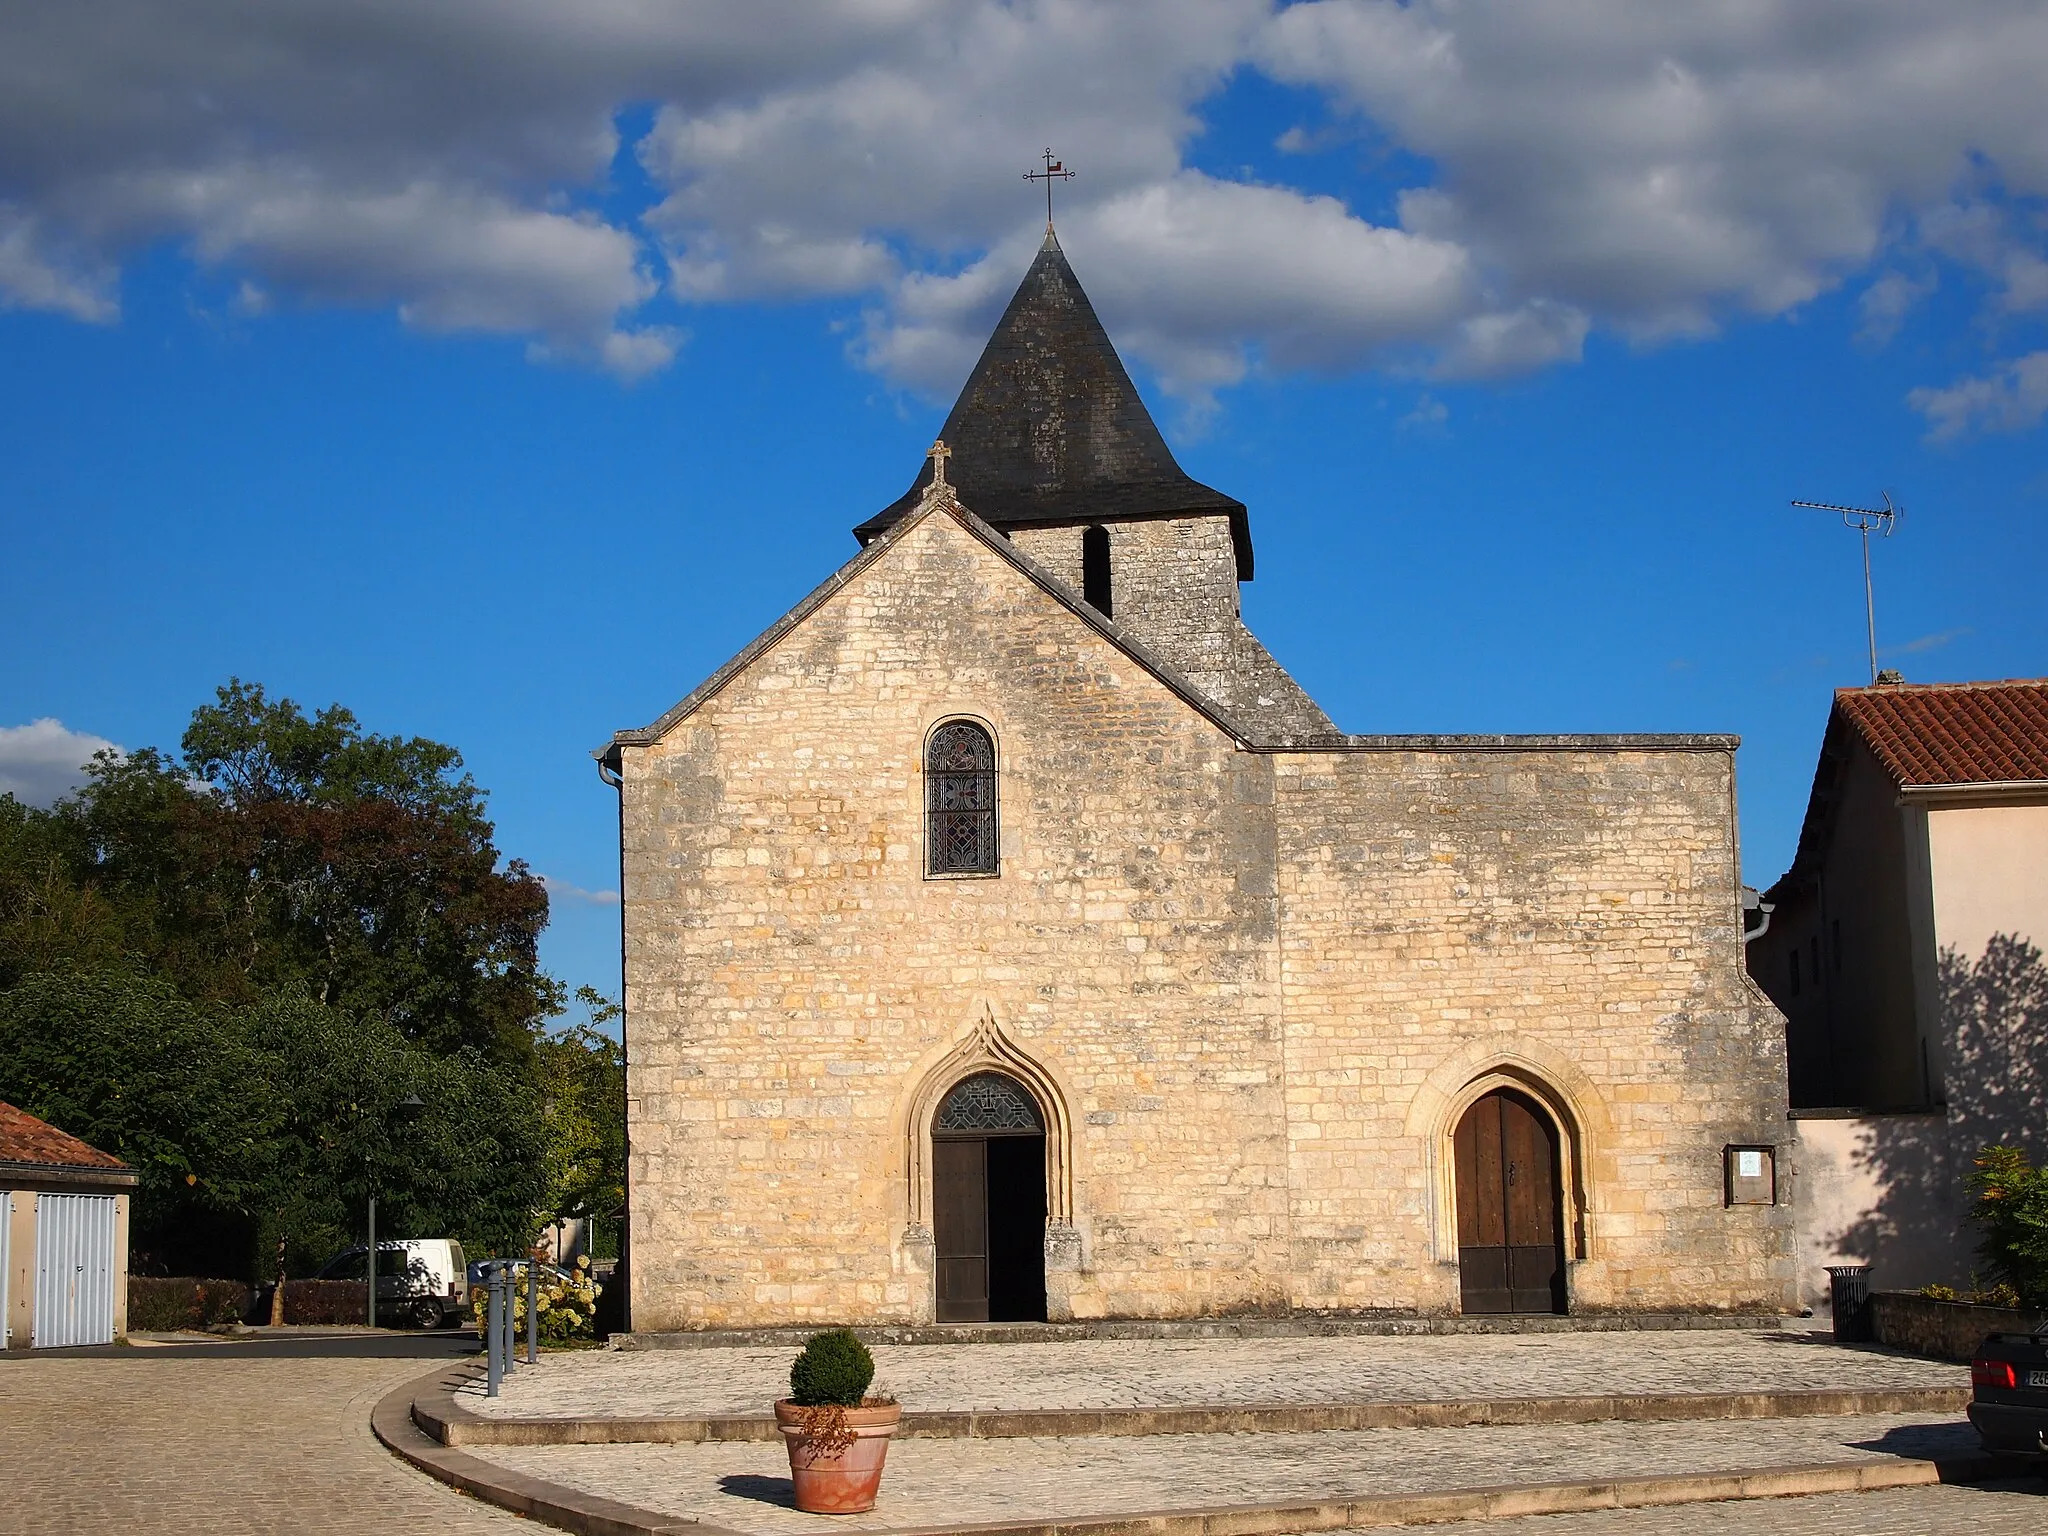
column 1510, row 1207
column 988, row 1202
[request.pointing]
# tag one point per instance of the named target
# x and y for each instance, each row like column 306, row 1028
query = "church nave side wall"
column 1566, row 918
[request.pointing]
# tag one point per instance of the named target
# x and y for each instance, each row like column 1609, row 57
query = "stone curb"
column 443, row 1415
column 565, row 1508
column 592, row 1515
column 1498, row 1503
column 1395, row 1326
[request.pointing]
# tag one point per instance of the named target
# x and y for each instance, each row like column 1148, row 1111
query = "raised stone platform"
column 1114, row 1436
column 1228, row 1373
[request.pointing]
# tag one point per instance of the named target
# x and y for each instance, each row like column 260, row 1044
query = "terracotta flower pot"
column 837, row 1480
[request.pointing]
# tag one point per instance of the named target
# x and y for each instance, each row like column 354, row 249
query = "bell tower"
column 1054, row 449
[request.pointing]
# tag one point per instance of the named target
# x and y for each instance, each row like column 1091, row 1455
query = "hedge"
column 324, row 1301
column 169, row 1305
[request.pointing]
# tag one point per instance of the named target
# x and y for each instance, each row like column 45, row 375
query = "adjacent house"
column 63, row 1236
column 1904, row 947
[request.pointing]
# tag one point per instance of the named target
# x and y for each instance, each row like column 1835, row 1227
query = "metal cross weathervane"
column 1863, row 519
column 1053, row 172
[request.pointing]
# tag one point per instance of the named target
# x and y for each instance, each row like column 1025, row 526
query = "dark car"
column 2010, row 1398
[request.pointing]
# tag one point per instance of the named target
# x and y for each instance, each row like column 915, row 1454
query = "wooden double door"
column 1510, row 1207
column 988, row 1218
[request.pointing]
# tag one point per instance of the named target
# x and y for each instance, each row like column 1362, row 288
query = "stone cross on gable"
column 939, row 490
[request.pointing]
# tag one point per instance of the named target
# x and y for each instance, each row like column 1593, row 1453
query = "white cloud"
column 34, row 278
column 562, row 890
column 1538, row 333
column 1579, row 164
column 2011, row 399
column 1199, row 278
column 1924, row 643
column 43, row 761
column 1427, row 418
column 1884, row 305
column 1658, row 165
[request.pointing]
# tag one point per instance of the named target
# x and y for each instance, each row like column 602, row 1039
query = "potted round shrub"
column 837, row 1435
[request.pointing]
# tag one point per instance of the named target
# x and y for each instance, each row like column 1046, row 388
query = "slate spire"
column 1050, row 430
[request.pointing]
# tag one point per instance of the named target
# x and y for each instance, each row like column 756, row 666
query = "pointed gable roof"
column 1049, row 428
column 943, row 505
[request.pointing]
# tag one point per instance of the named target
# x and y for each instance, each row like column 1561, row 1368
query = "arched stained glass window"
column 988, row 1101
column 960, row 800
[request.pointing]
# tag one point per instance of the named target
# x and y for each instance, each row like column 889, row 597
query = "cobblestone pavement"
column 206, row 1440
column 2018, row 1508
column 1158, row 1373
column 940, row 1482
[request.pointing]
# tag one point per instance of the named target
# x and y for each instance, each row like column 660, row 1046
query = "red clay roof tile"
column 1954, row 733
column 25, row 1139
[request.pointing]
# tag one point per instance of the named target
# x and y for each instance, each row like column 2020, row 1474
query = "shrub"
column 2012, row 1208
column 835, row 1367
column 158, row 1305
column 567, row 1309
column 1999, row 1295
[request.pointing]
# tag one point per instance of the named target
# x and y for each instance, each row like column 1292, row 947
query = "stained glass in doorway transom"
column 988, row 1101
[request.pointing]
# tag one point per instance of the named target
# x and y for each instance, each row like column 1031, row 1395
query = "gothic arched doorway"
column 1510, row 1207
column 988, row 1202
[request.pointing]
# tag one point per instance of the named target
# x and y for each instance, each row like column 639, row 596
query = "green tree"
column 168, row 1085
column 49, row 918
column 230, row 965
column 285, row 851
column 2012, row 1209
column 583, row 1078
column 269, row 1125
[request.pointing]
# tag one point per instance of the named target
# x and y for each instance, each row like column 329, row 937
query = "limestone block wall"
column 1562, row 921
column 794, row 981
column 1173, row 585
column 1253, row 989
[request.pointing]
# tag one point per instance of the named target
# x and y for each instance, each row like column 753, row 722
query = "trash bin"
column 1849, row 1295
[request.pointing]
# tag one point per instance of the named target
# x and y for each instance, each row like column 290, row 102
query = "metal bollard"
column 506, row 1340
column 494, row 1368
column 533, row 1312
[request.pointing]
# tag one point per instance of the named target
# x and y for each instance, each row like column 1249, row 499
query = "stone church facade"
column 1007, row 935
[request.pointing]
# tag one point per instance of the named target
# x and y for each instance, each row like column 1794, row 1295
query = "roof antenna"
column 1053, row 172
column 1863, row 519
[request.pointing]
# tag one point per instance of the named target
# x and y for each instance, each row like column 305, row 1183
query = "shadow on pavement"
column 778, row 1491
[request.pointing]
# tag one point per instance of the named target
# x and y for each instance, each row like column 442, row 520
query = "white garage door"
column 74, row 1270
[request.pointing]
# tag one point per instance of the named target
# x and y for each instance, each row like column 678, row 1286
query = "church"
column 1008, row 937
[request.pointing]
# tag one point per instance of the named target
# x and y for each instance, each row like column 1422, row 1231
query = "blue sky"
column 1517, row 422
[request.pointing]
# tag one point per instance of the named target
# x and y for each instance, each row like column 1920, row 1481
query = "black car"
column 2010, row 1402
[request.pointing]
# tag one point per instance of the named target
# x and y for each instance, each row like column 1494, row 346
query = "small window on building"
column 1095, row 571
column 960, row 800
column 1794, row 958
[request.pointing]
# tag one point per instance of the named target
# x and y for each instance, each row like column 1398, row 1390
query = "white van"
column 420, row 1280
